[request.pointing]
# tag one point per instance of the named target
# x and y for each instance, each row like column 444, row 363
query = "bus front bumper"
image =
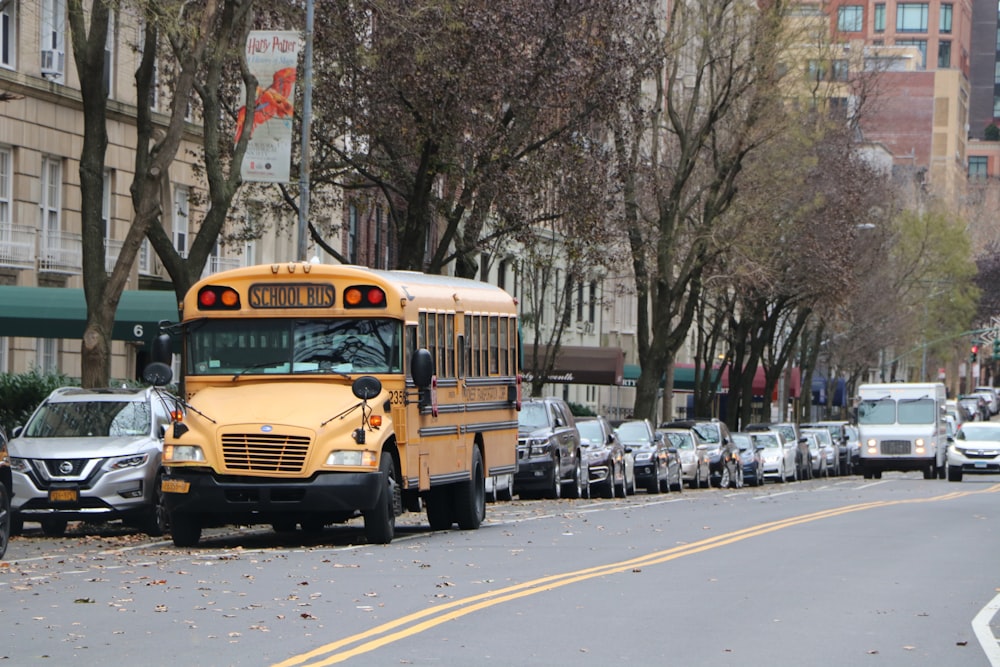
column 253, row 500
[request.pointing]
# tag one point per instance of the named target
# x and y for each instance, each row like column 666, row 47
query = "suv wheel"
column 155, row 522
column 555, row 484
column 576, row 489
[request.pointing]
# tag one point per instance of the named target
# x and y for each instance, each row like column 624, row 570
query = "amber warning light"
column 216, row 297
column 364, row 296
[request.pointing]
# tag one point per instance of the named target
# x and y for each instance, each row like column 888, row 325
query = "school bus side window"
column 449, row 344
column 432, row 341
column 460, row 355
column 494, row 336
column 474, row 347
column 504, row 357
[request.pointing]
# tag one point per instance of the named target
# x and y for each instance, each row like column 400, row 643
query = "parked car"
column 549, row 457
column 975, row 450
column 751, row 458
column 693, row 455
column 790, row 433
column 826, row 453
column 840, row 436
column 779, row 456
column 715, row 434
column 973, row 408
column 5, row 491
column 992, row 397
column 91, row 455
column 817, row 453
column 652, row 460
column 612, row 468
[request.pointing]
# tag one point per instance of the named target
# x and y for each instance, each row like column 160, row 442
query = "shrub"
column 21, row 393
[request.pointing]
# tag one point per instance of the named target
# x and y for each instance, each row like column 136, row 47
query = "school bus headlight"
column 352, row 457
column 183, row 454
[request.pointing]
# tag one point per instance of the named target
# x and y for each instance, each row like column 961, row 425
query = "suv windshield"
column 532, row 415
column 708, row 433
column 90, row 419
column 633, row 431
column 589, row 430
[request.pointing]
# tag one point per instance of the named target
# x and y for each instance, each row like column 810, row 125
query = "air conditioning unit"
column 53, row 63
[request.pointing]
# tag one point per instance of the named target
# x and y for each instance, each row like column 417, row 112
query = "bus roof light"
column 218, row 297
column 364, row 296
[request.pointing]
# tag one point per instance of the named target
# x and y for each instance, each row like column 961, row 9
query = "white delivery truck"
column 902, row 427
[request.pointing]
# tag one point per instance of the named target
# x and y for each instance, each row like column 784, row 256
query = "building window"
column 921, row 45
column 8, row 35
column 839, row 70
column 182, row 217
column 109, row 57
column 592, row 303
column 51, row 202
column 944, row 20
column 484, row 267
column 850, row 18
column 378, row 262
column 996, row 106
column 880, row 17
column 46, row 356
column 502, row 274
column 977, row 166
column 911, row 17
column 352, row 234
column 6, row 178
column 944, row 54
column 815, row 70
column 53, row 39
column 996, row 72
column 111, row 248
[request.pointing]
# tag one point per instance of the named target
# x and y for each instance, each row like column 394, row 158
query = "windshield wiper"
column 263, row 364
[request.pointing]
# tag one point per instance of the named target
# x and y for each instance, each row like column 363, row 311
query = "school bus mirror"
column 422, row 368
column 157, row 374
column 366, row 387
column 163, row 349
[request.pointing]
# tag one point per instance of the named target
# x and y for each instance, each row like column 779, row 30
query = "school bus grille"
column 264, row 453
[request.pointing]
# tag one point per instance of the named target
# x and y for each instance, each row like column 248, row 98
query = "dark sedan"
column 750, row 456
column 612, row 469
column 652, row 460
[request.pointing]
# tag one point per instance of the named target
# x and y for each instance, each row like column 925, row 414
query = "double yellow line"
column 415, row 623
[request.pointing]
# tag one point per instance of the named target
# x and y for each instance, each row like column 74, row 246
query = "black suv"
column 715, row 434
column 549, row 460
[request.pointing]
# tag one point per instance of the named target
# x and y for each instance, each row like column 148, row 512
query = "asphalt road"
column 827, row 572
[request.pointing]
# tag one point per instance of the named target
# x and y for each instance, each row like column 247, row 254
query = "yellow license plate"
column 176, row 486
column 63, row 495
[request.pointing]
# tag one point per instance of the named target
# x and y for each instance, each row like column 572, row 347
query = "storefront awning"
column 61, row 312
column 577, row 364
column 684, row 377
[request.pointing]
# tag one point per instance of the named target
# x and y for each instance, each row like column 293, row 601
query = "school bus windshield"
column 295, row 345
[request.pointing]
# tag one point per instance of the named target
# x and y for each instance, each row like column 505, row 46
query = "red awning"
column 794, row 383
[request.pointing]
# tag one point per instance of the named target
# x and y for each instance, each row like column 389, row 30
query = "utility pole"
column 306, row 122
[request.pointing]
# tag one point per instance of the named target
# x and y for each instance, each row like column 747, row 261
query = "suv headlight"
column 538, row 446
column 124, row 462
column 643, row 455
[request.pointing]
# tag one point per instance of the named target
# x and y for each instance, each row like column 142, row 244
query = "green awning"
column 683, row 376
column 61, row 312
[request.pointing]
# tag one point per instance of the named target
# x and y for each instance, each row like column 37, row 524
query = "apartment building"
column 41, row 134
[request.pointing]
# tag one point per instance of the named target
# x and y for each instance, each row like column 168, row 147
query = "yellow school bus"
column 314, row 394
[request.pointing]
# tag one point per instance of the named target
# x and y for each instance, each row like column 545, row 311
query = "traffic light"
column 974, row 353
column 996, row 348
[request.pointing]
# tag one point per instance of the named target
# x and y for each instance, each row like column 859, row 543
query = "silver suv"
column 91, row 455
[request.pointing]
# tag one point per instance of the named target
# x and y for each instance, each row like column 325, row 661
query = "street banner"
column 272, row 57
